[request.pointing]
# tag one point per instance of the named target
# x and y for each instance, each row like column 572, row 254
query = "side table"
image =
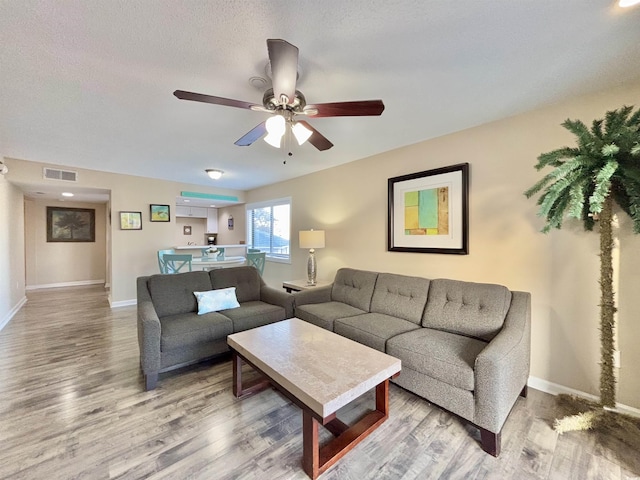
column 299, row 285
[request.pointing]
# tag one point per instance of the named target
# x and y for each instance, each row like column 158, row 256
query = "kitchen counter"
column 200, row 247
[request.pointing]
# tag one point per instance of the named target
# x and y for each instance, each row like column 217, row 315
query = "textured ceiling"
column 89, row 83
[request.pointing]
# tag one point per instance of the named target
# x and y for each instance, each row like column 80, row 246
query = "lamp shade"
column 311, row 238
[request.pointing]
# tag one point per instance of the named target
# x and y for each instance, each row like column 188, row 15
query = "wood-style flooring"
column 72, row 406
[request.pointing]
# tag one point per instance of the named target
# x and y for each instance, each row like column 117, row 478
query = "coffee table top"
column 323, row 370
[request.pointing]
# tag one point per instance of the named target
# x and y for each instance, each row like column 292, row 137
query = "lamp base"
column 311, row 268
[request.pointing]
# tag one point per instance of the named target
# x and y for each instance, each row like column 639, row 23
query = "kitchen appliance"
column 210, row 238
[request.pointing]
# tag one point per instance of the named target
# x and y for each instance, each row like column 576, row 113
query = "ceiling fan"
column 285, row 103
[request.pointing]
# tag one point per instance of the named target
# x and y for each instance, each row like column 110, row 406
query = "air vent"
column 66, row 175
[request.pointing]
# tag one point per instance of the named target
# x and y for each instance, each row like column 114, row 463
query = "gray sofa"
column 170, row 332
column 464, row 346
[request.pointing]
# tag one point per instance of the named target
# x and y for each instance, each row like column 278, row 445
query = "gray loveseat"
column 171, row 334
column 464, row 346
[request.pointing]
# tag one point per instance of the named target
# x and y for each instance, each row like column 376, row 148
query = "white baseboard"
column 64, row 284
column 5, row 321
column 122, row 303
column 556, row 389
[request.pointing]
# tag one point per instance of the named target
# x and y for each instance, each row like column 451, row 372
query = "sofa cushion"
column 216, row 300
column 372, row 329
column 186, row 329
column 173, row 294
column 254, row 314
column 400, row 296
column 445, row 356
column 354, row 287
column 247, row 281
column 473, row 309
column 324, row 314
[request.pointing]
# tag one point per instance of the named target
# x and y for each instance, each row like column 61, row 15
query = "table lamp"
column 311, row 239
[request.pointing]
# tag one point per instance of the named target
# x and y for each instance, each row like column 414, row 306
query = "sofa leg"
column 524, row 392
column 490, row 442
column 150, row 381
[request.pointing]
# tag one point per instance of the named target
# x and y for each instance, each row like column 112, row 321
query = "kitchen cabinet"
column 192, row 212
column 212, row 220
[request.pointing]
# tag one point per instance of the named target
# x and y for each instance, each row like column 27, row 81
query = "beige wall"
column 198, row 229
column 239, row 232
column 506, row 246
column 55, row 263
column 12, row 273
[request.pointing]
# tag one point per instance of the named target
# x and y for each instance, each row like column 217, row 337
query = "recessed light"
column 67, row 194
column 628, row 3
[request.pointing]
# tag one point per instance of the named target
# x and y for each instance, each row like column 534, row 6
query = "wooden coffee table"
column 320, row 372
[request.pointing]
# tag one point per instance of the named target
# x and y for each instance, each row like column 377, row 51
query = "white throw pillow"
column 216, row 300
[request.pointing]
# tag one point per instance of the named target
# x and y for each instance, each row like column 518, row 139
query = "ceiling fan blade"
column 317, row 139
column 347, row 109
column 284, row 68
column 251, row 136
column 199, row 97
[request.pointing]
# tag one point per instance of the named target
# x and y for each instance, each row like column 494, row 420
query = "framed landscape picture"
column 428, row 212
column 160, row 213
column 65, row 224
column 130, row 220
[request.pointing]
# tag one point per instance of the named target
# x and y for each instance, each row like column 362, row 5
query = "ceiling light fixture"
column 67, row 194
column 628, row 3
column 301, row 133
column 276, row 127
column 275, row 130
column 214, row 174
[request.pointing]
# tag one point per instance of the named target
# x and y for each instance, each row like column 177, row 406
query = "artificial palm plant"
column 604, row 168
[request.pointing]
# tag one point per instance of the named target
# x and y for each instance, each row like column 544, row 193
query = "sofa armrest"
column 149, row 329
column 502, row 368
column 313, row 295
column 277, row 297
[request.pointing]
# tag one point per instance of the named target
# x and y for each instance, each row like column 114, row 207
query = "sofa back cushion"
column 473, row 309
column 173, row 294
column 247, row 281
column 400, row 296
column 354, row 287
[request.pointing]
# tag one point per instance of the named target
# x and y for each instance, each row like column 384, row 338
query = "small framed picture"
column 160, row 213
column 186, row 230
column 130, row 220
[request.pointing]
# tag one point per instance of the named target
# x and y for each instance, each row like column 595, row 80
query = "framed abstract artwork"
column 160, row 213
column 130, row 220
column 428, row 212
column 66, row 224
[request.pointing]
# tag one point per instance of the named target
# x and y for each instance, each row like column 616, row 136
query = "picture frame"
column 66, row 224
column 159, row 213
column 428, row 212
column 130, row 220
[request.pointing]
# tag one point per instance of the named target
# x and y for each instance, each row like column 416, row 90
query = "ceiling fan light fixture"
column 273, row 140
column 301, row 133
column 275, row 126
column 213, row 173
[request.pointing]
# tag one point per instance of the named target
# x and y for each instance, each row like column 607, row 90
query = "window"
column 269, row 228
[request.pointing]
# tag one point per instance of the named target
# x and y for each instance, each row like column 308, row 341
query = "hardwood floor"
column 72, row 406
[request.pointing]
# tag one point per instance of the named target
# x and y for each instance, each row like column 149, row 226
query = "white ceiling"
column 89, row 83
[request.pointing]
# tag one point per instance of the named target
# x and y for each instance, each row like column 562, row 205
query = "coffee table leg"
column 310, row 445
column 239, row 390
column 316, row 459
column 237, row 374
